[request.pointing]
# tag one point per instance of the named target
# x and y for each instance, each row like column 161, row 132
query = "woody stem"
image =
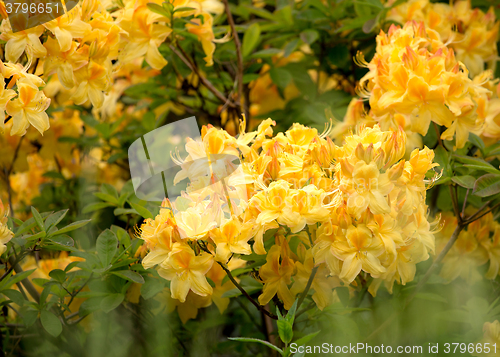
column 243, row 291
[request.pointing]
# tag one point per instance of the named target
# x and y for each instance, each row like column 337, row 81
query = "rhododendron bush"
column 342, row 187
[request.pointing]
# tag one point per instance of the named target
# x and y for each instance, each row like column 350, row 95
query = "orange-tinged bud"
column 347, row 168
column 396, row 171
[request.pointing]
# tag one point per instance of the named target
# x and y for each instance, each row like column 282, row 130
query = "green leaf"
column 143, row 211
column 64, row 240
column 259, row 12
column 29, row 317
column 466, row 181
column 280, row 76
column 184, row 8
column 477, row 141
column 38, row 218
column 268, row 52
column 71, row 227
column 290, row 47
column 431, row 297
column 108, row 189
column 343, row 294
column 487, row 185
column 55, row 218
column 107, row 198
column 95, row 207
column 157, row 9
column 51, row 323
column 303, row 340
column 151, row 287
column 476, row 163
column 309, row 36
column 15, row 296
column 15, row 279
column 111, row 302
column 247, row 339
column 106, row 246
column 58, row 275
column 129, row 275
column 285, row 330
column 250, row 39
column 290, row 316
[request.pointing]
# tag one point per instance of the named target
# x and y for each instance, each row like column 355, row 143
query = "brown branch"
column 475, row 217
column 204, row 80
column 239, row 57
column 25, row 282
column 243, row 291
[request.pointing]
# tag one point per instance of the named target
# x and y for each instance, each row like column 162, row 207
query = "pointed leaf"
column 51, row 323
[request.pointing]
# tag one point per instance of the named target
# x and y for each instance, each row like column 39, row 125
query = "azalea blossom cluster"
column 471, row 33
column 415, row 79
column 5, row 233
column 302, row 202
column 88, row 55
column 478, row 244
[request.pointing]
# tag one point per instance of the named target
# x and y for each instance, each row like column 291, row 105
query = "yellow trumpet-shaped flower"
column 186, row 271
column 276, row 275
column 28, row 108
column 92, row 81
column 232, row 237
column 5, row 96
column 144, row 39
column 5, row 233
column 359, row 251
column 67, row 27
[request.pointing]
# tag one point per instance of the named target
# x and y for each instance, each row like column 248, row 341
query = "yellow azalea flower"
column 5, row 96
column 305, row 206
column 271, row 202
column 367, row 188
column 5, row 233
column 323, row 284
column 359, row 251
column 186, row 271
column 92, row 81
column 160, row 236
column 203, row 29
column 19, row 42
column 195, row 223
column 232, row 237
column 67, row 27
column 144, row 39
column 276, row 275
column 28, row 109
column 64, row 63
column 187, row 310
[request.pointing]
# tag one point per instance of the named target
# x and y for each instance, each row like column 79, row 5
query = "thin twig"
column 470, row 220
column 243, row 291
column 239, row 57
column 204, row 80
column 454, row 202
column 465, row 203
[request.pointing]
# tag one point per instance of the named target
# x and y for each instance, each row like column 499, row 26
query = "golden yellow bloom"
column 276, row 275
column 186, row 271
column 28, row 108
column 5, row 233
